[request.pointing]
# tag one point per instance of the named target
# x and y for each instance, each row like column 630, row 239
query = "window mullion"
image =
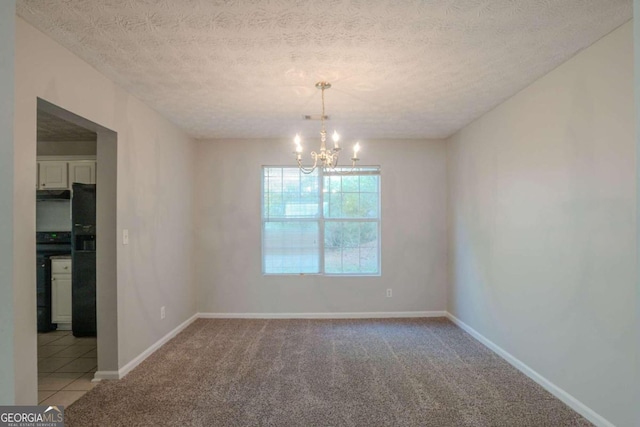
column 321, row 221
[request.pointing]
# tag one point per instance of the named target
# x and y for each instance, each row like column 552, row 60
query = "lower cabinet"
column 61, row 291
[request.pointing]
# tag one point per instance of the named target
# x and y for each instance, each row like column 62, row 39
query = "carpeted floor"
column 383, row 372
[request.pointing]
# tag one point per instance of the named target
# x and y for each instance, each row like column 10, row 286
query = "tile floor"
column 66, row 365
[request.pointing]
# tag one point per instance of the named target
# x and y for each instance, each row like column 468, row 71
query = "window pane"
column 351, row 247
column 350, row 205
column 350, row 183
column 369, row 203
column 334, row 184
column 288, row 193
column 333, row 205
column 291, row 247
column 369, row 184
column 352, row 201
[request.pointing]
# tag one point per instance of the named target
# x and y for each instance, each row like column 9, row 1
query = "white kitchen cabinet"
column 82, row 171
column 61, row 290
column 52, row 175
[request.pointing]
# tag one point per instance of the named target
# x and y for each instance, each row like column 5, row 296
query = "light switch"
column 125, row 237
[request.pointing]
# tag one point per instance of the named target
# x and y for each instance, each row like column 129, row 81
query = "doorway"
column 76, row 254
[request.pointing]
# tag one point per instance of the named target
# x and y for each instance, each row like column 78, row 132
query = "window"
column 321, row 223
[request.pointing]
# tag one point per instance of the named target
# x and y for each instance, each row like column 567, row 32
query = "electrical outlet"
column 389, row 293
column 125, row 237
column 162, row 312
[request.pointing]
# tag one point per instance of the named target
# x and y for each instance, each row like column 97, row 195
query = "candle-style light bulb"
column 356, row 148
column 298, row 146
column 336, row 138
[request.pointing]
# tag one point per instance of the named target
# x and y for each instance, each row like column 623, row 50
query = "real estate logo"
column 31, row 416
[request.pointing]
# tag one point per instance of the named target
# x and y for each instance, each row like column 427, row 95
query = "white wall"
column 542, row 208
column 7, row 361
column 414, row 245
column 154, row 199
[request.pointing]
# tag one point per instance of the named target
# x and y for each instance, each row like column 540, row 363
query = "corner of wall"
column 636, row 77
column 9, row 349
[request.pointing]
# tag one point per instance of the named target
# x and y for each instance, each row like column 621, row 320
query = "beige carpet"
column 386, row 372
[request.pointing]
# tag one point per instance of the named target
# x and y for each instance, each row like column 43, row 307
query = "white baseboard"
column 115, row 375
column 149, row 351
column 364, row 315
column 63, row 327
column 565, row 397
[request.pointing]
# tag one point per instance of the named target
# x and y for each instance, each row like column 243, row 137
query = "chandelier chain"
column 322, row 117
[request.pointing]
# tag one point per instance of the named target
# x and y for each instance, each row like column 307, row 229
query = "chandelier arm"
column 307, row 171
column 334, row 164
column 353, row 167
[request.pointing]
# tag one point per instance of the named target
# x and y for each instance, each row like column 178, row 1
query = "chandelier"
column 326, row 157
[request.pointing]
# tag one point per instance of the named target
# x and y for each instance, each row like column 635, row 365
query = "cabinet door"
column 52, row 175
column 61, row 298
column 82, row 172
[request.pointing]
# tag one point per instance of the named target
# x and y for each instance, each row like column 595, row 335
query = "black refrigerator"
column 83, row 256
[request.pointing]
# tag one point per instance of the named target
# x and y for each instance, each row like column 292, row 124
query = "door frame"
column 106, row 241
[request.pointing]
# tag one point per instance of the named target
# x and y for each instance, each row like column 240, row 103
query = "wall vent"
column 314, row 117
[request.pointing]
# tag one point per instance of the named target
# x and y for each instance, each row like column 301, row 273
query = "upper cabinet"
column 52, row 175
column 60, row 175
column 82, row 171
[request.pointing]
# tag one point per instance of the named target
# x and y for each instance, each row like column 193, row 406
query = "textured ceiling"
column 52, row 128
column 399, row 68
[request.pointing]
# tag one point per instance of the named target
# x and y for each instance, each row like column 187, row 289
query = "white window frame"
column 321, row 220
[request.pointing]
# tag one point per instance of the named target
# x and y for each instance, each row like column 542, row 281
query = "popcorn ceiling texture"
column 52, row 128
column 400, row 69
